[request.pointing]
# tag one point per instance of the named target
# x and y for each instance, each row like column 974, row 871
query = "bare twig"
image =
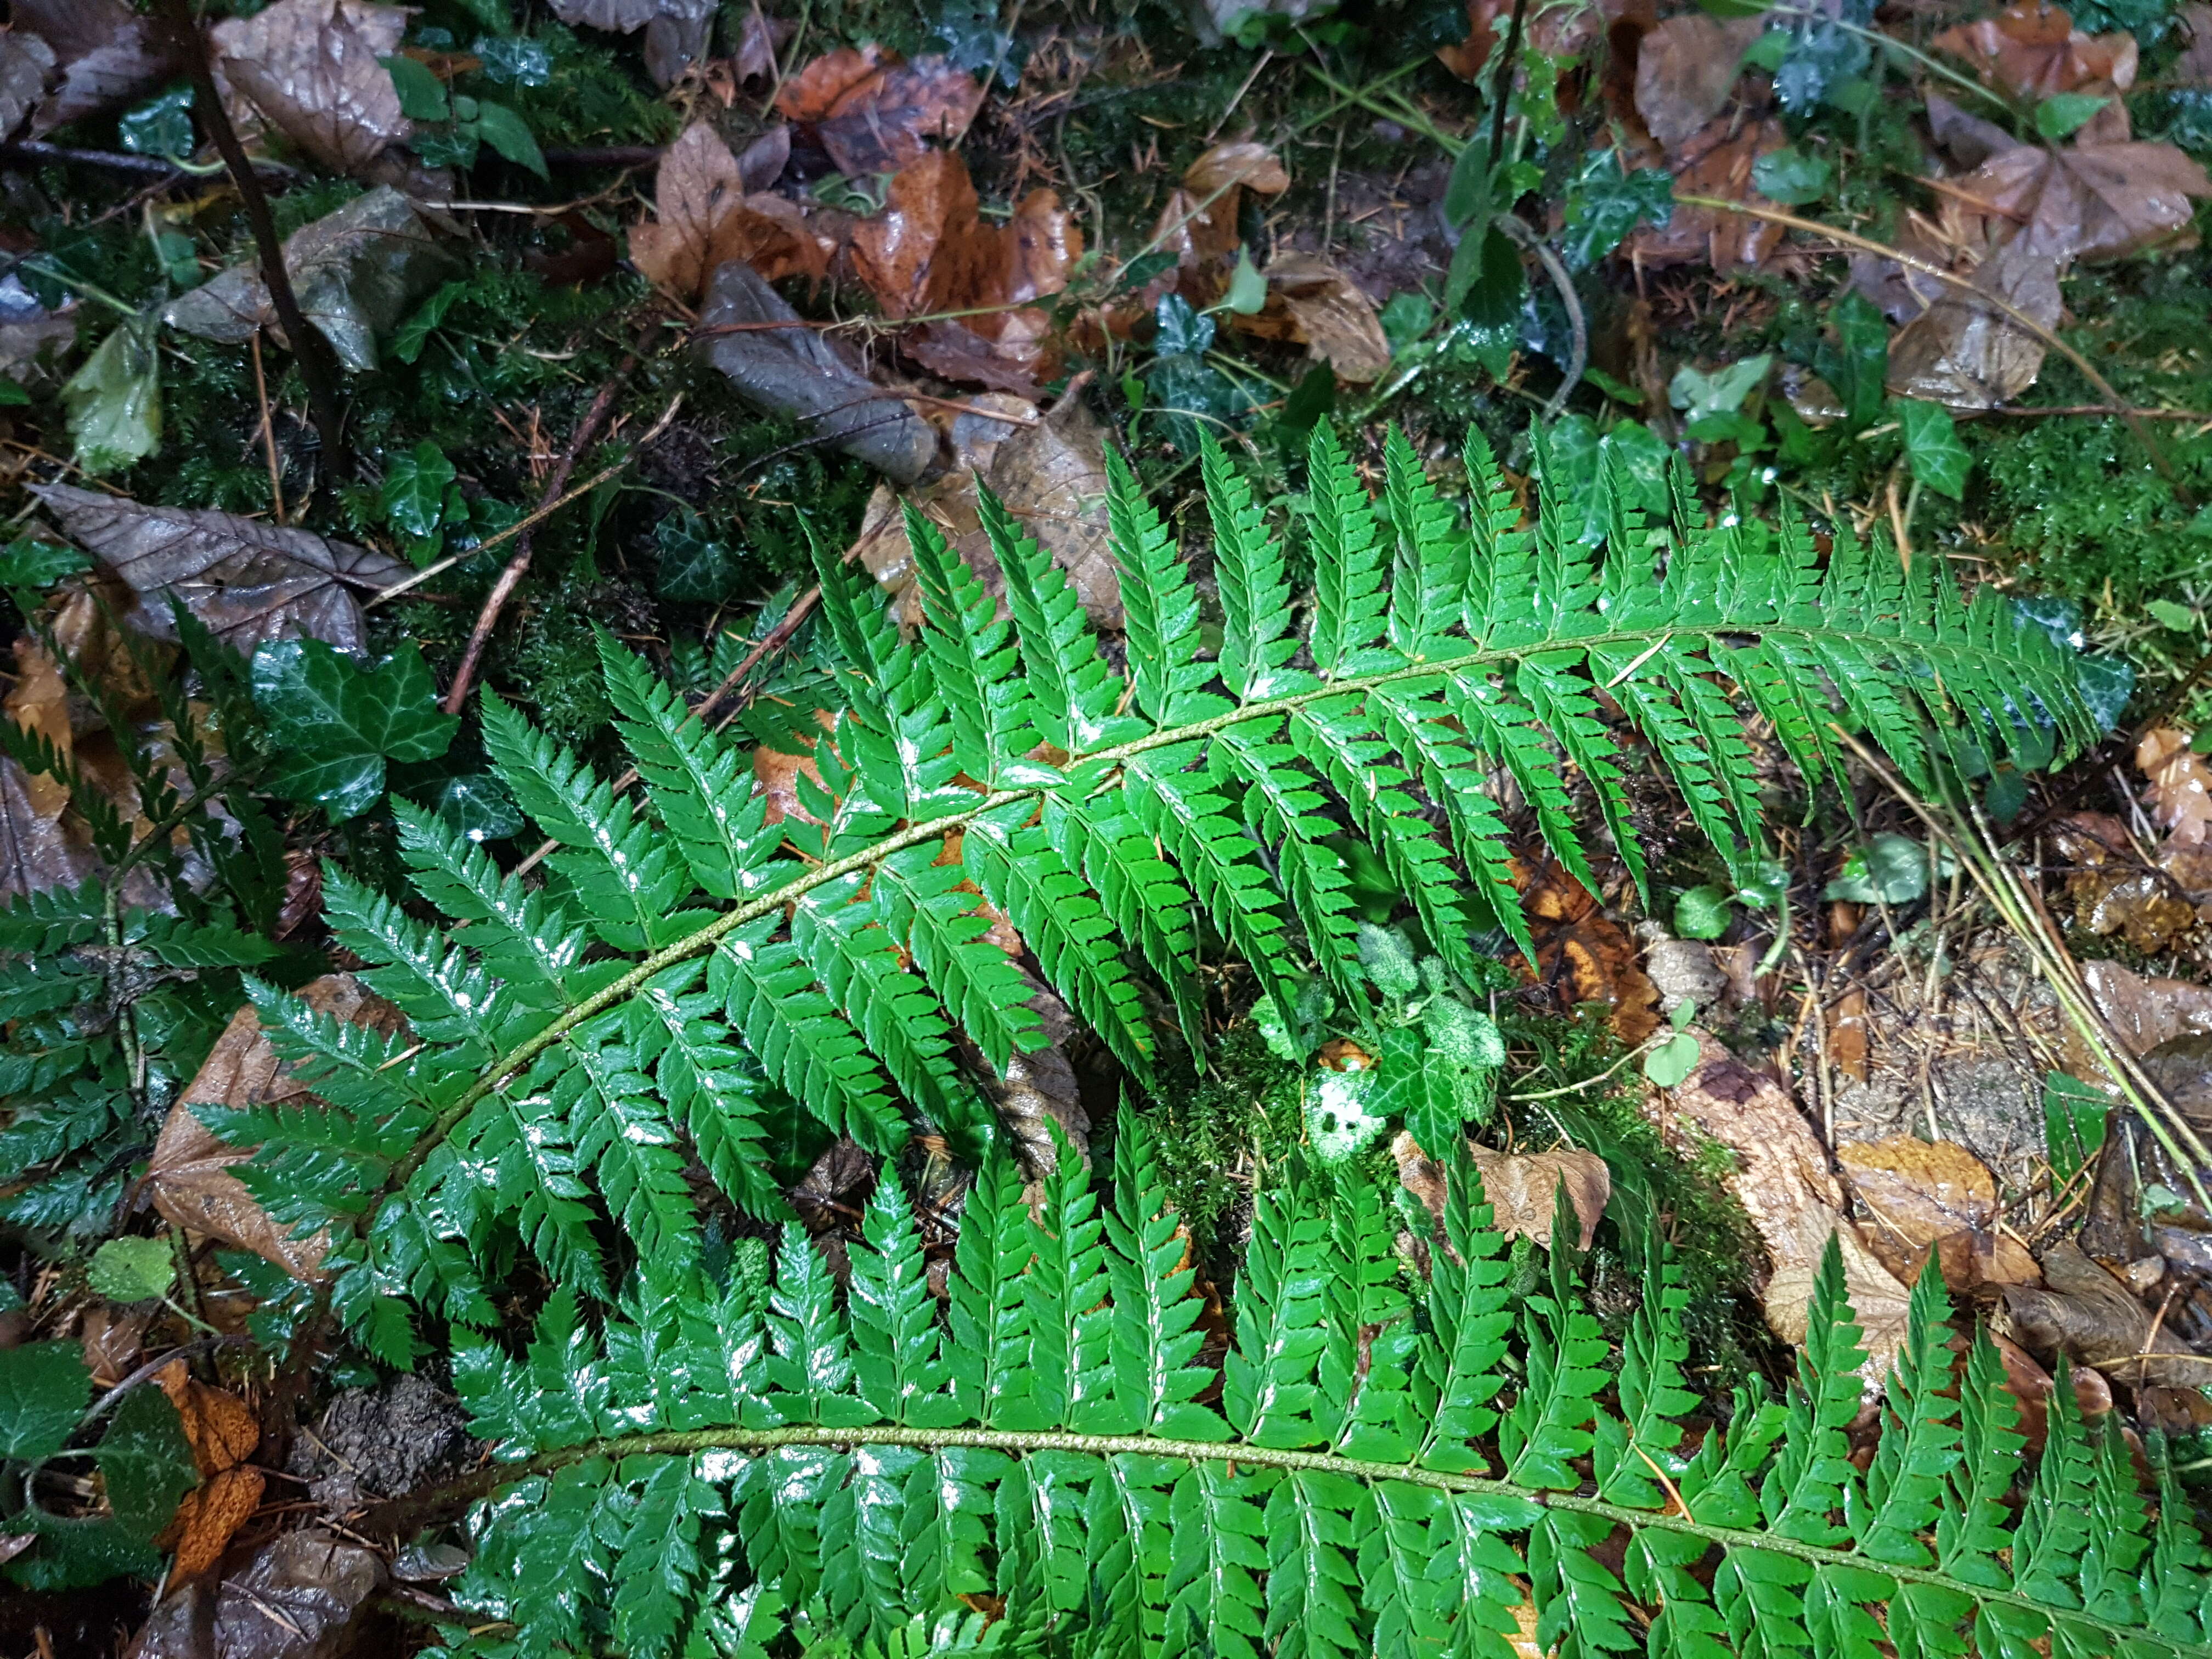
column 1518, row 230
column 268, row 433
column 518, row 564
column 317, row 366
column 37, row 152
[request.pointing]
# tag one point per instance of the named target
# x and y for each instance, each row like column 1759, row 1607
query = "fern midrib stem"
column 694, row 944
column 687, row 1442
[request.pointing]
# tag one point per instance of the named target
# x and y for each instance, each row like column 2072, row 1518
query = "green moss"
column 1217, row 1132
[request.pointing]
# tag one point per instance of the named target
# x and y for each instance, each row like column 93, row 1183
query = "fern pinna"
column 724, row 1467
column 577, row 1046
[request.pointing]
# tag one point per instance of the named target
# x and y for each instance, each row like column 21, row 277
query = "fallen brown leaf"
column 2094, row 1319
column 1560, row 32
column 2032, row 1387
column 2114, row 890
column 1715, row 160
column 1938, row 1195
column 297, row 1596
column 1521, row 1189
column 247, row 580
column 313, row 69
column 109, row 55
column 1685, row 69
column 676, row 31
column 2090, row 201
column 1783, row 1182
column 758, row 41
column 111, row 1337
column 26, row 61
column 2033, row 50
column 207, row 1517
column 776, row 773
column 1962, row 352
column 1583, row 952
column 189, row 1176
column 1311, row 302
column 874, row 112
column 705, row 215
column 2179, row 798
column 1199, row 224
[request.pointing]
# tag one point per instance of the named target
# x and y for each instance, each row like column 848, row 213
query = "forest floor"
column 612, row 327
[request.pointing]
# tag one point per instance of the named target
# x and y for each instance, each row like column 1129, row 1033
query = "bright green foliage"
column 334, row 724
column 575, row 1045
column 847, row 1472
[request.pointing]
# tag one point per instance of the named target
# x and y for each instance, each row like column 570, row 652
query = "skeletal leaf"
column 247, row 579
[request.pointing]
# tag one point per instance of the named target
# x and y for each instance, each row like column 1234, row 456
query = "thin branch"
column 38, row 153
column 318, row 365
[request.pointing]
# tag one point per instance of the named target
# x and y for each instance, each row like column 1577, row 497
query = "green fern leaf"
column 1073, row 698
column 894, row 1334
column 1348, row 595
column 1255, row 593
column 1155, row 1335
column 972, row 660
column 1161, row 609
column 1429, row 568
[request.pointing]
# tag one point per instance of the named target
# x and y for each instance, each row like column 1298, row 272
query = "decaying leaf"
column 1921, row 1195
column 1783, row 1182
column 2143, row 1011
column 2150, row 904
column 2034, row 50
column 26, row 61
column 188, row 1178
column 111, row 1337
column 2179, row 798
column 875, row 113
column 1715, row 160
column 2094, row 1319
column 32, row 338
column 676, row 31
column 1583, row 952
column 1199, row 224
column 1963, row 354
column 710, row 208
column 792, row 369
column 313, row 69
column 1050, row 473
column 1312, row 301
column 1521, row 1187
column 208, row 1517
column 247, row 579
column 110, row 56
column 221, row 1427
column 1038, row 1093
column 832, row 1196
column 2089, row 201
column 2032, row 1387
column 1686, row 67
column 357, row 273
column 297, row 1597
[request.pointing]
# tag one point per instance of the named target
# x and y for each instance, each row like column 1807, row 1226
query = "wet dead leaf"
column 357, row 273
column 295, row 1597
column 1715, row 160
column 111, row 1338
column 247, row 579
column 1521, row 1187
column 793, row 370
column 1783, row 1182
column 221, row 1427
column 1686, row 67
column 2091, row 1318
column 1961, row 352
column 874, row 112
column 2143, row 1011
column 2179, row 798
column 1922, row 1195
column 2034, row 52
column 37, row 852
column 26, row 61
column 1585, row 955
column 109, row 55
column 676, row 31
column 759, row 40
column 2031, row 1388
column 776, row 773
column 207, row 1517
column 1199, row 224
column 2088, row 201
column 704, row 216
column 1313, row 302
column 2114, row 891
column 313, row 69
column 188, row 1177
column 832, row 1196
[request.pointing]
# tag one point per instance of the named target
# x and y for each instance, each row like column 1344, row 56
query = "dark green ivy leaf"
column 1819, row 62
column 145, row 1462
column 1791, row 176
column 414, row 493
column 334, row 724
column 1856, row 362
column 161, row 126
column 44, row 1387
column 1603, row 205
column 421, row 94
column 695, row 566
column 1932, row 448
column 1180, row 328
column 1487, row 283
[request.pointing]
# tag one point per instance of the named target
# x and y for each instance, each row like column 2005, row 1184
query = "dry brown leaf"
column 1686, row 67
column 1521, row 1188
column 1050, row 474
column 189, row 1176
column 1715, row 160
column 2094, row 1319
column 1961, row 352
column 704, row 216
column 875, row 113
column 297, row 1596
column 2091, row 201
column 247, row 579
column 1583, row 952
column 207, row 1517
column 312, row 68
column 2179, row 798
column 110, row 56
column 1199, row 224
column 111, row 1338
column 2031, row 1388
column 1313, row 302
column 1924, row 1196
column 2114, row 891
column 1783, row 1182
column 2033, row 50
column 221, row 1427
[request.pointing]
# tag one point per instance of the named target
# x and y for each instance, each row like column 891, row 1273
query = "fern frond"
column 1255, row 593
column 1348, row 593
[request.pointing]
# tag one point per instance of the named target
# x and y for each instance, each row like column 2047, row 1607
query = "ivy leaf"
column 114, row 401
column 34, row 562
column 414, row 493
column 44, row 1387
column 1180, row 328
column 1791, row 176
column 421, row 94
column 145, row 1462
column 508, row 134
column 1856, row 362
column 1604, row 204
column 695, row 566
column 161, row 127
column 133, row 1269
column 1932, row 448
column 1703, row 913
column 335, row 724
